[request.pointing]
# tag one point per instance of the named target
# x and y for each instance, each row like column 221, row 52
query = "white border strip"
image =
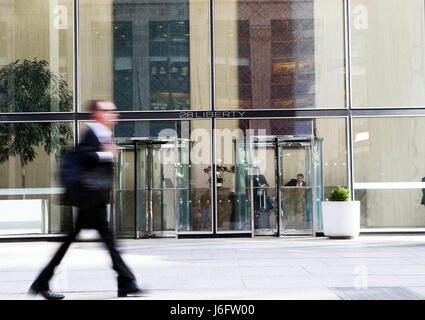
column 27, row 191
column 389, row 185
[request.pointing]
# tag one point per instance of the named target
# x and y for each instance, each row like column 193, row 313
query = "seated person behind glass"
column 295, row 199
column 298, row 182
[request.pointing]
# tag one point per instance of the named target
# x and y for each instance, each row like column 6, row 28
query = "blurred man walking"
column 96, row 152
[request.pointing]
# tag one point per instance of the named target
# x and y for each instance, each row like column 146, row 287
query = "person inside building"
column 295, row 201
column 298, row 182
column 261, row 204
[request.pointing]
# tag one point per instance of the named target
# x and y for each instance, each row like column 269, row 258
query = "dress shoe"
column 130, row 289
column 46, row 293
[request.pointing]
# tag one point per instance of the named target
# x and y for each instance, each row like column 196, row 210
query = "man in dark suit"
column 298, row 182
column 260, row 193
column 300, row 198
column 96, row 152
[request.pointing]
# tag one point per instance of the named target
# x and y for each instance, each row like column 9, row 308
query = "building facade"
column 223, row 105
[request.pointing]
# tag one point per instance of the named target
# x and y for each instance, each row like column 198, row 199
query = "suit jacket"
column 96, row 177
column 293, row 183
column 260, row 180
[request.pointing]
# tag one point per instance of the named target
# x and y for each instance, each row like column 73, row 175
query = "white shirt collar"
column 102, row 132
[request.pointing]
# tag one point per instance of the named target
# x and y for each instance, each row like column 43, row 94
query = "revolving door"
column 284, row 181
column 152, row 187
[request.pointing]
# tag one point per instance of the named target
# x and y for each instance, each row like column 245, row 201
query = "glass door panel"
column 124, row 195
column 318, row 182
column 162, row 187
column 242, row 220
column 264, row 186
column 142, row 189
column 265, row 218
column 233, row 191
column 295, row 186
column 183, row 191
column 164, row 210
column 131, row 196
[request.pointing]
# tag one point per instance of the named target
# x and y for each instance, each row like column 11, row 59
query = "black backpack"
column 70, row 171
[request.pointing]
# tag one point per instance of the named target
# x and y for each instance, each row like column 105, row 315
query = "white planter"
column 341, row 218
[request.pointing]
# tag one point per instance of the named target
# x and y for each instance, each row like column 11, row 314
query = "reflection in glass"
column 145, row 56
column 279, row 54
column 389, row 149
column 391, row 208
column 387, row 50
column 29, row 86
column 389, row 170
column 36, row 56
column 29, row 188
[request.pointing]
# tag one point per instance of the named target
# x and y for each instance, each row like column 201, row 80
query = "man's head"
column 300, row 177
column 104, row 112
column 257, row 171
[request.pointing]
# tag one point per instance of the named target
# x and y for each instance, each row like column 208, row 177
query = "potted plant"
column 341, row 217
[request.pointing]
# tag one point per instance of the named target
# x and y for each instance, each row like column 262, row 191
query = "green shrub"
column 340, row 194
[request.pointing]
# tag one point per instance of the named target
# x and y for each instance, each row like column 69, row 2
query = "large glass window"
column 145, row 56
column 36, row 56
column 236, row 156
column 279, row 54
column 389, row 171
column 388, row 53
column 232, row 180
column 29, row 183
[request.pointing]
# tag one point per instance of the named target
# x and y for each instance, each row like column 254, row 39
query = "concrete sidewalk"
column 369, row 267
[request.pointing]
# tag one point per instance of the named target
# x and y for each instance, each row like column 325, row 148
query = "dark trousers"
column 94, row 219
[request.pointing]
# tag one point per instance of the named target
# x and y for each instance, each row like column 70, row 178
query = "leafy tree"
column 29, row 86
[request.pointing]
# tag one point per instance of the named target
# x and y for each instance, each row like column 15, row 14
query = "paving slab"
column 377, row 293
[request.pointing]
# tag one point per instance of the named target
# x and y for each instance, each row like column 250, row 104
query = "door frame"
column 148, row 143
column 310, row 140
column 277, row 141
column 273, row 140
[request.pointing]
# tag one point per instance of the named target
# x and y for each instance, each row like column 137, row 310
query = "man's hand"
column 112, row 148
